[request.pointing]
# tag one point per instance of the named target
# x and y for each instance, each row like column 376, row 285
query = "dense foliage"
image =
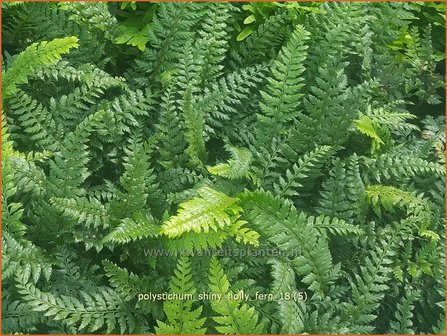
column 139, row 137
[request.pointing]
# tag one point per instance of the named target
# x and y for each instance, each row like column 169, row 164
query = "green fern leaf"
column 234, row 316
column 181, row 317
column 237, row 167
column 32, row 59
column 212, row 210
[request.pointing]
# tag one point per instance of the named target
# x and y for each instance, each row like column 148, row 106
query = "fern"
column 212, row 210
column 397, row 121
column 104, row 309
column 403, row 323
column 182, row 319
column 87, row 211
column 237, row 167
column 18, row 316
column 401, row 165
column 390, row 197
column 369, row 286
column 290, row 229
column 308, row 163
column 33, row 58
column 233, row 317
column 301, row 144
column 366, row 126
column 37, row 122
column 292, row 313
column 279, row 104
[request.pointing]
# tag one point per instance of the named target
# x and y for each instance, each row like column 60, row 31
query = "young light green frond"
column 391, row 197
column 210, row 211
column 204, row 241
column 369, row 128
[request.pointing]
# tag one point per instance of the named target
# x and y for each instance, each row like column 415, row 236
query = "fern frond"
column 93, row 312
column 234, row 316
column 181, row 317
column 18, row 316
column 336, row 226
column 369, row 285
column 213, row 41
column 333, row 196
column 291, row 313
column 22, row 256
column 403, row 323
column 307, row 164
column 35, row 120
column 205, row 241
column 166, row 39
column 195, row 124
column 223, row 100
column 89, row 212
column 389, row 166
column 211, row 210
column 135, row 179
column 172, row 142
column 292, row 317
column 396, row 121
column 128, row 284
column 280, row 101
column 326, row 116
column 28, row 176
column 69, row 166
column 130, row 230
column 391, row 197
column 292, row 231
column 32, row 59
column 11, row 211
column 370, row 128
column 266, row 40
column 237, row 167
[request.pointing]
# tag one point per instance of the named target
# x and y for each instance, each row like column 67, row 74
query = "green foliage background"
column 312, row 129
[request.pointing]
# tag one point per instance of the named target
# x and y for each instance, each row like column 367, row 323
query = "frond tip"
column 34, row 58
column 234, row 316
column 181, row 317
